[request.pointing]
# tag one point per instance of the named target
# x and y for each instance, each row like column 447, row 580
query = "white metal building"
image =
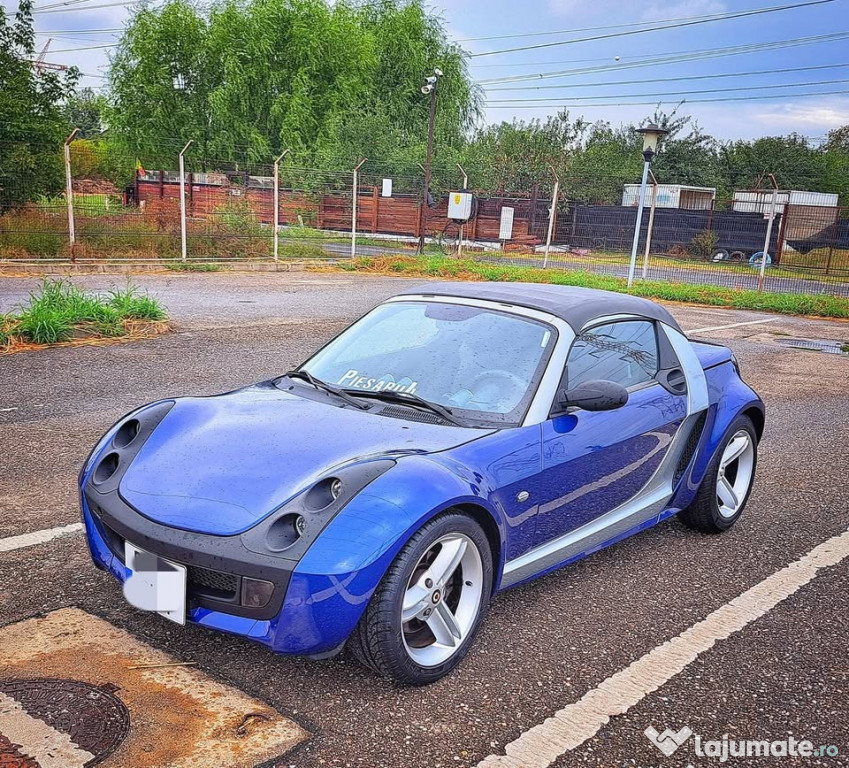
column 760, row 201
column 671, row 196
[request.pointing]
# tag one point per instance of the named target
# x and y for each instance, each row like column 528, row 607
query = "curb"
column 67, row 268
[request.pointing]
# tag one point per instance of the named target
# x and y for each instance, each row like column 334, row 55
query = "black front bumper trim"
column 215, row 564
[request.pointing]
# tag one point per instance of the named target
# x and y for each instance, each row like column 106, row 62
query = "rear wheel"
column 423, row 617
column 728, row 481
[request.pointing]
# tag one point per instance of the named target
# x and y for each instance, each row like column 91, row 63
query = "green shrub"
column 704, row 243
column 130, row 304
column 45, row 325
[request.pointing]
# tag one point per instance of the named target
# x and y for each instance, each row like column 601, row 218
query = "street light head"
column 651, row 134
column 437, row 71
column 426, row 89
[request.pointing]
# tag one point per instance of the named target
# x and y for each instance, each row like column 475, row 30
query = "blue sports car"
column 457, row 440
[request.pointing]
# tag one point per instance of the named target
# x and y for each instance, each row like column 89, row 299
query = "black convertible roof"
column 577, row 306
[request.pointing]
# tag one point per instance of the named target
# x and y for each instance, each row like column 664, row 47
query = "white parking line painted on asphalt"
column 38, row 537
column 576, row 723
column 733, row 325
column 36, row 739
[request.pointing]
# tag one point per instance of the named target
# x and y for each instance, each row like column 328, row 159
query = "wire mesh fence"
column 228, row 213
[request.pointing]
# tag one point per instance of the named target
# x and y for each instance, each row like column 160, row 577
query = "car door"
column 593, row 462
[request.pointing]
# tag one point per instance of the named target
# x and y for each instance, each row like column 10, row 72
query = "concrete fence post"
column 773, row 203
column 69, row 193
column 183, row 248
column 356, row 188
column 651, row 223
column 465, row 188
column 276, row 197
column 552, row 212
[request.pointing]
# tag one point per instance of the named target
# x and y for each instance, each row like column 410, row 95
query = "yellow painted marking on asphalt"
column 179, row 717
column 573, row 725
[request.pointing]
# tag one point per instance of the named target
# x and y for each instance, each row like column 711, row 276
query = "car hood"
column 218, row 465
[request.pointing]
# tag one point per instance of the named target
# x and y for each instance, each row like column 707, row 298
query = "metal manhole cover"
column 817, row 345
column 93, row 717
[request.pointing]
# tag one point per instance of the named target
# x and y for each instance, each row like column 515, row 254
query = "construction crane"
column 40, row 64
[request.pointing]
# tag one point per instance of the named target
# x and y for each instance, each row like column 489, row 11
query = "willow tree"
column 248, row 78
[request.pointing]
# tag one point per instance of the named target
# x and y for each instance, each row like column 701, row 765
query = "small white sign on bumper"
column 155, row 584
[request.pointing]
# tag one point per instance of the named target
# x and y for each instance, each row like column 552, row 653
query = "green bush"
column 704, row 243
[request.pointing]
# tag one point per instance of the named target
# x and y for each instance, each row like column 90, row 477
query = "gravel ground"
column 544, row 644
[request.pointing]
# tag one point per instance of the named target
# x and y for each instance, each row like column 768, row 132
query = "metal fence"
column 217, row 211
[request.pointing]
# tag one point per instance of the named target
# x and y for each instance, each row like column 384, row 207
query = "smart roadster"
column 457, row 440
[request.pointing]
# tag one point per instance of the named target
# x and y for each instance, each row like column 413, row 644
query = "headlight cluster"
column 119, row 446
column 289, row 530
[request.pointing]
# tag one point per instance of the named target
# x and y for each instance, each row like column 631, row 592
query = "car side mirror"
column 594, row 396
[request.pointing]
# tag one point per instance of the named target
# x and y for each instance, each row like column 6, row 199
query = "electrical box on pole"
column 460, row 206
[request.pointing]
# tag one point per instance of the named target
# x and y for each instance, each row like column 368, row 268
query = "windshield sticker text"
column 354, row 380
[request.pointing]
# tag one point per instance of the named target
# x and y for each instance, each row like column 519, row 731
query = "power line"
column 708, row 53
column 677, row 25
column 710, row 17
column 80, row 31
column 121, row 3
column 684, row 101
column 792, row 42
column 683, row 93
column 82, row 48
column 666, row 79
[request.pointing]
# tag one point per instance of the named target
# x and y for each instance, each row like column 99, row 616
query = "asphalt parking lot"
column 544, row 645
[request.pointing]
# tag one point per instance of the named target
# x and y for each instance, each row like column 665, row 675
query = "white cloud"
column 612, row 9
column 683, row 8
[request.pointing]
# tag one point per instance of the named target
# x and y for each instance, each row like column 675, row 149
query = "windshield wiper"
column 408, row 398
column 323, row 385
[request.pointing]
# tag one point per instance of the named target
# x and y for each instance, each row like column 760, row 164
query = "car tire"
column 409, row 651
column 729, row 478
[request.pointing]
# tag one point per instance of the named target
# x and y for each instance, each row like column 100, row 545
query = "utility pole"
column 430, row 87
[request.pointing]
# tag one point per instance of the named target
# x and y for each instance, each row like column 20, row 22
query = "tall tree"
column 32, row 126
column 248, row 79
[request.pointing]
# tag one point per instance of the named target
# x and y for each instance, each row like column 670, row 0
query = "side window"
column 624, row 352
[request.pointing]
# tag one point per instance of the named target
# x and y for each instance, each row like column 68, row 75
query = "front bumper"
column 215, row 565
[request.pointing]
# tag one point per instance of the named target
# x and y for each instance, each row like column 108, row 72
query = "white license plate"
column 155, row 584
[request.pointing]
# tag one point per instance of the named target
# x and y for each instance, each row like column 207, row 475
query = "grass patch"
column 188, row 266
column 717, row 296
column 60, row 312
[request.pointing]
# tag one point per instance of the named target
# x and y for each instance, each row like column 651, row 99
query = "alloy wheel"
column 736, row 469
column 442, row 599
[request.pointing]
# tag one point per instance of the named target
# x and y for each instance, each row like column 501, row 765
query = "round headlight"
column 336, row 488
column 300, row 525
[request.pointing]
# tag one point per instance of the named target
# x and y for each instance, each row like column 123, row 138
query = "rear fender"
column 332, row 584
column 729, row 397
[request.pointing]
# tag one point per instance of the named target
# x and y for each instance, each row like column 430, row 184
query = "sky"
column 766, row 102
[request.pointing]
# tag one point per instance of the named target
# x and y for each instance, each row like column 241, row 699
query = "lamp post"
column 651, row 134
column 429, row 88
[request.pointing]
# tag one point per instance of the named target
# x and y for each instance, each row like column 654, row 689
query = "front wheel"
column 426, row 611
column 728, row 481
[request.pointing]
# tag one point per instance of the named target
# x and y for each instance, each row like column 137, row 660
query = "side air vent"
column 690, row 447
column 411, row 414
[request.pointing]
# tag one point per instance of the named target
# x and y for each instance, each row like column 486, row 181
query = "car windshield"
column 482, row 363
